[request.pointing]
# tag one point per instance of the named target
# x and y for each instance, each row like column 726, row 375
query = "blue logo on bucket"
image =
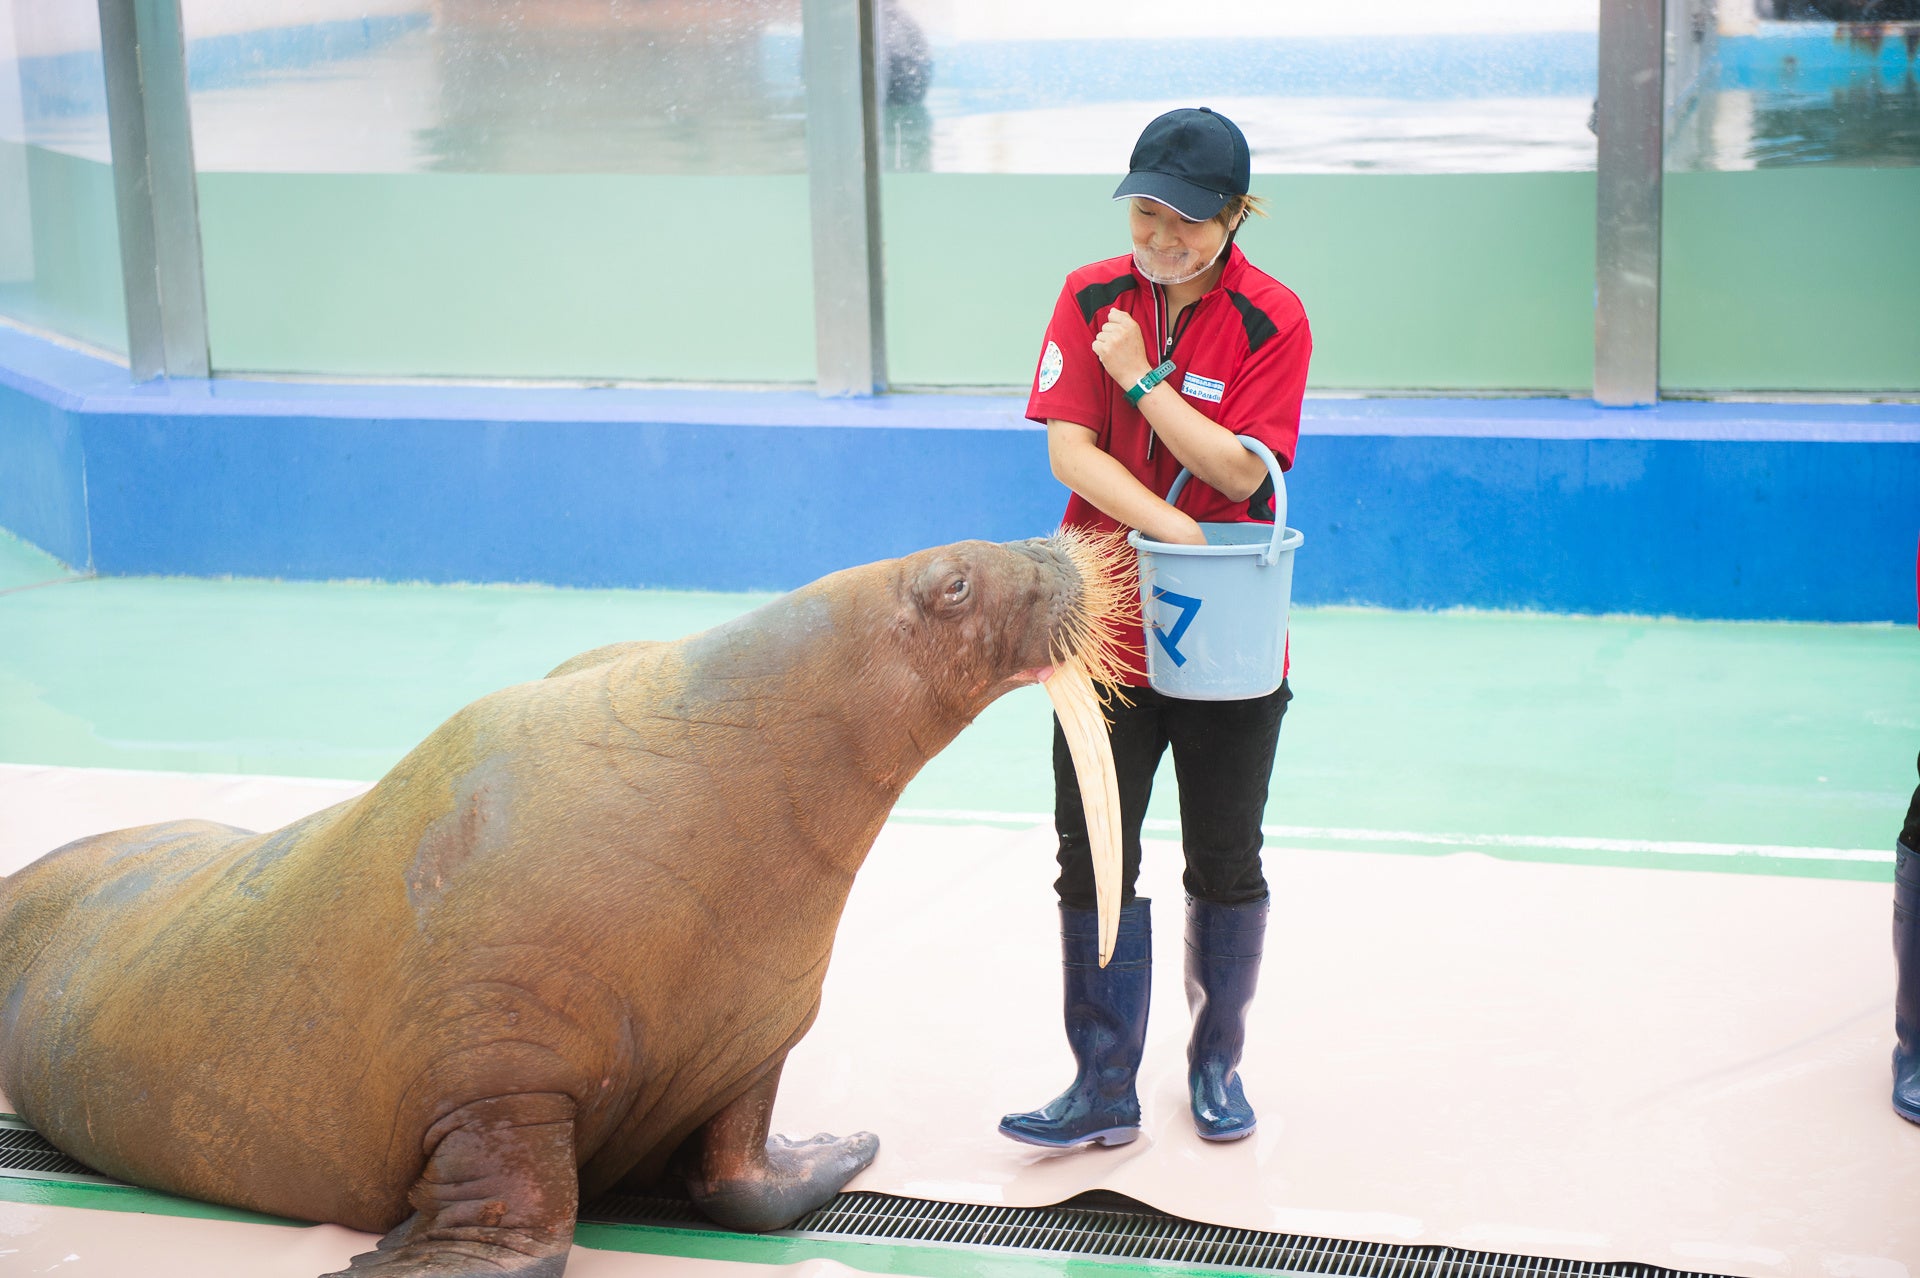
column 1170, row 640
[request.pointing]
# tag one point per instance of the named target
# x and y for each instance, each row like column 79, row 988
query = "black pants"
column 1909, row 834
column 1222, row 760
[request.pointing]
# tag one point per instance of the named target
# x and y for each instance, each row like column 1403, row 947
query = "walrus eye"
column 958, row 590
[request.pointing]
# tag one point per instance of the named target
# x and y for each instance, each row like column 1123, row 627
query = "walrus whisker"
column 1108, row 604
column 1087, row 665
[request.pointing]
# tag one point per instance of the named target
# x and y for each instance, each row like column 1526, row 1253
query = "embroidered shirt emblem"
column 1050, row 365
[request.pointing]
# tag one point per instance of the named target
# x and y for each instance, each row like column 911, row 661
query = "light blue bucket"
column 1217, row 614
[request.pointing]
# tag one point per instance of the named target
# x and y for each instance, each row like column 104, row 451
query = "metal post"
column 1626, row 322
column 152, row 141
column 843, row 180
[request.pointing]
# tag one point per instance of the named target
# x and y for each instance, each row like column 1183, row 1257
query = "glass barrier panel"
column 59, row 227
column 579, row 189
column 1428, row 167
column 1792, row 191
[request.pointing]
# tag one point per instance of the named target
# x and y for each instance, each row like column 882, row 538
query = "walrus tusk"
column 1089, row 660
column 1077, row 701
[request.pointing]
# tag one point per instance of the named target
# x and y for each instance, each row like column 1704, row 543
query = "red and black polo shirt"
column 1239, row 354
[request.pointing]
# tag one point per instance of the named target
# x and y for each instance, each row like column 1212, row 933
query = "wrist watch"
column 1149, row 381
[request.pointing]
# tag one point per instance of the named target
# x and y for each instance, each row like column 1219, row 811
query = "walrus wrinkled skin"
column 576, row 930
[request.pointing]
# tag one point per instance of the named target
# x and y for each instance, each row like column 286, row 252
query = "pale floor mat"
column 1682, row 1069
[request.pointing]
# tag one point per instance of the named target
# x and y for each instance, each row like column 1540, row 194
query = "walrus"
column 566, row 943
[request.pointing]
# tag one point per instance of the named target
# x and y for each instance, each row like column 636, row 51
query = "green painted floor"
column 1569, row 738
column 877, row 1256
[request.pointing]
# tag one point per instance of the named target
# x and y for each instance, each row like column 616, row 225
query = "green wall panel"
column 73, row 286
column 1480, row 281
column 510, row 275
column 1791, row 279
column 974, row 263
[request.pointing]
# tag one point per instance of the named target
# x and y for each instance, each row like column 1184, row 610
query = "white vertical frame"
column 843, row 181
column 1631, row 125
column 144, row 48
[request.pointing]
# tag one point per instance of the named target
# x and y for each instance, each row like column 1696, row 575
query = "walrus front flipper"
column 747, row 1180
column 499, row 1196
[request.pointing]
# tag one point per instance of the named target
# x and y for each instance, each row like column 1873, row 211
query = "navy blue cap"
column 1192, row 160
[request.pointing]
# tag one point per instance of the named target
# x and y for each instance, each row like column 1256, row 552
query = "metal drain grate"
column 1102, row 1224
column 1098, row 1224
column 26, row 1153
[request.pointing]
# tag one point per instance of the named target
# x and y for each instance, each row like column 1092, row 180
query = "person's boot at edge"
column 1906, row 957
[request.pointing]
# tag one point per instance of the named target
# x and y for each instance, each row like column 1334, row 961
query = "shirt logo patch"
column 1202, row 388
column 1050, row 365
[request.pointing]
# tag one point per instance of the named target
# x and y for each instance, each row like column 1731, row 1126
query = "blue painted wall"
column 1804, row 512
column 698, row 506
column 1820, row 531
column 43, row 482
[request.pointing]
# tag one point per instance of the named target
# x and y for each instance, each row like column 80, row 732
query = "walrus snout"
column 1058, row 596
column 1046, row 551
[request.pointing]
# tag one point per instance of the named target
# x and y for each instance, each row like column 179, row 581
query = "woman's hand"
column 1121, row 348
column 1176, row 528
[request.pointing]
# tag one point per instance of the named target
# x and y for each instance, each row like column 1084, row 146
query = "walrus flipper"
column 498, row 1197
column 748, row 1180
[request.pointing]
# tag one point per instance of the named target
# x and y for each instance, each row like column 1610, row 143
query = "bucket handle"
column 1265, row 454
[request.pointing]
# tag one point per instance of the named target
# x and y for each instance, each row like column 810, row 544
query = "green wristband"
column 1147, row 383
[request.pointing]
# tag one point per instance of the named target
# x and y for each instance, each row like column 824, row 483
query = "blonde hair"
column 1239, row 207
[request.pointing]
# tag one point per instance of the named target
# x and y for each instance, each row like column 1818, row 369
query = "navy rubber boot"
column 1106, row 1016
column 1224, row 943
column 1906, row 1003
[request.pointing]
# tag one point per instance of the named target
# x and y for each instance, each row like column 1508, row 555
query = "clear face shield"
column 1165, row 272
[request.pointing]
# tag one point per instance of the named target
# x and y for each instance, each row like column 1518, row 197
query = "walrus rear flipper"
column 498, row 1198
